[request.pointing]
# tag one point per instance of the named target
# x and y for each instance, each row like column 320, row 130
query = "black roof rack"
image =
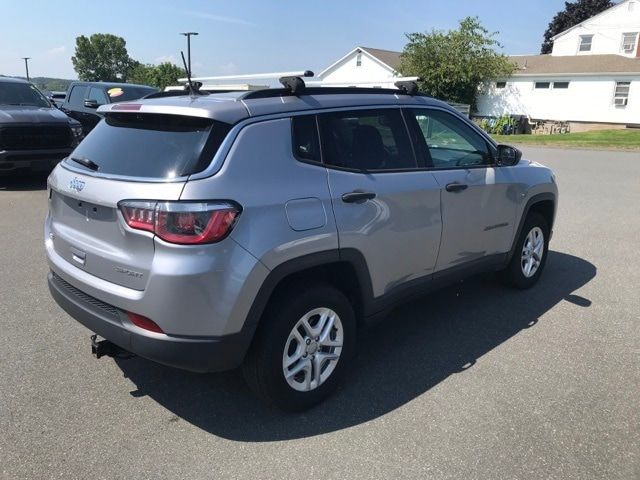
column 285, row 92
column 408, row 87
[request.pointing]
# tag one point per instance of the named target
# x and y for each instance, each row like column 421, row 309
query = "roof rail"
column 285, row 92
column 252, row 76
column 292, row 81
column 359, row 83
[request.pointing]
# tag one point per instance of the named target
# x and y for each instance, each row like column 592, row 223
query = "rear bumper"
column 198, row 354
column 33, row 159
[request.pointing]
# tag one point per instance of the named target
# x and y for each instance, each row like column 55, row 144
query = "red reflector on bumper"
column 144, row 322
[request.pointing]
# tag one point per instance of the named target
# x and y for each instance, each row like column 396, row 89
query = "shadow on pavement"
column 418, row 346
column 23, row 181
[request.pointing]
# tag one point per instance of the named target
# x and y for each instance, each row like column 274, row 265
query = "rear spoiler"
column 218, row 109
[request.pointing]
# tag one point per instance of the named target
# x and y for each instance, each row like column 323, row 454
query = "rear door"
column 139, row 157
column 478, row 210
column 385, row 205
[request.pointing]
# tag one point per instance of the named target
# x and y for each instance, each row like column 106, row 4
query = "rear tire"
column 305, row 342
column 530, row 254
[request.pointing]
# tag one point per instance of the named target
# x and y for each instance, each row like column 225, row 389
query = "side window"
column 98, row 95
column 306, row 145
column 76, row 97
column 449, row 142
column 366, row 140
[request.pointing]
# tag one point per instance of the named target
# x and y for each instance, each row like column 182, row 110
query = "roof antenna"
column 193, row 87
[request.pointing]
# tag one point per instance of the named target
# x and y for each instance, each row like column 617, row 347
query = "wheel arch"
column 543, row 203
column 345, row 269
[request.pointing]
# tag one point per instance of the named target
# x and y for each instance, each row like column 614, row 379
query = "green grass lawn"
column 627, row 139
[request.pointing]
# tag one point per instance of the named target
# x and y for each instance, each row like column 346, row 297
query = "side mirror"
column 508, row 156
column 91, row 103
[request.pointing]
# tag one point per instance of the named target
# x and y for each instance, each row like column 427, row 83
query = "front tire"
column 530, row 254
column 304, row 344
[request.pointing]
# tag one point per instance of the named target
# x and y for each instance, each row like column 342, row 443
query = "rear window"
column 151, row 145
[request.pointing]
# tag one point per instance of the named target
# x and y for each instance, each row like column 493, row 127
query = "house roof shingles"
column 543, row 64
column 579, row 64
column 388, row 57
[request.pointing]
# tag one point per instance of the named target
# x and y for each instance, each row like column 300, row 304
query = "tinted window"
column 306, row 145
column 76, row 97
column 366, row 140
column 125, row 93
column 98, row 95
column 152, row 145
column 449, row 141
column 543, row 84
column 21, row 94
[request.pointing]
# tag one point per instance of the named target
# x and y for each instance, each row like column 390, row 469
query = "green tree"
column 141, row 73
column 158, row 76
column 102, row 57
column 453, row 65
column 573, row 14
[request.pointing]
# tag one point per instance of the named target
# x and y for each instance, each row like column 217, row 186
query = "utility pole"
column 26, row 66
column 188, row 35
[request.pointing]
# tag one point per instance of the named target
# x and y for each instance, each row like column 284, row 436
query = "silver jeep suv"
column 263, row 229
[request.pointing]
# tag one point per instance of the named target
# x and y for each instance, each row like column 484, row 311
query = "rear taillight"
column 140, row 215
column 185, row 223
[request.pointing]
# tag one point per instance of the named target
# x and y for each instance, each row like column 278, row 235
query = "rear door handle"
column 455, row 187
column 357, row 196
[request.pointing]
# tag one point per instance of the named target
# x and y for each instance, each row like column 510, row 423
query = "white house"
column 363, row 66
column 367, row 67
column 591, row 77
column 614, row 31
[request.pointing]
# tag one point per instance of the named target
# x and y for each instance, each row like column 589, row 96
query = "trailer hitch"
column 101, row 348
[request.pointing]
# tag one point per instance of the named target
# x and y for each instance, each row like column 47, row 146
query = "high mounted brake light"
column 184, row 223
column 127, row 107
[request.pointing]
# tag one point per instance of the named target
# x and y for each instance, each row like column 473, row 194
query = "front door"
column 385, row 206
column 478, row 208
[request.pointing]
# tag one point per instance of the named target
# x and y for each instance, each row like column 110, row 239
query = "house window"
column 359, row 59
column 560, row 85
column 585, row 43
column 629, row 42
column 501, row 84
column 621, row 94
column 542, row 85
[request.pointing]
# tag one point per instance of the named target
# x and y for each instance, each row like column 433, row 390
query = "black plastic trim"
column 197, row 354
column 540, row 197
column 418, row 287
column 372, row 307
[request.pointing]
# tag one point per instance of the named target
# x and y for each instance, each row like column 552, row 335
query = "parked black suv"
column 83, row 98
column 34, row 134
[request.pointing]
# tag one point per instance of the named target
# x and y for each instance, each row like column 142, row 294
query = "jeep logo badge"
column 76, row 184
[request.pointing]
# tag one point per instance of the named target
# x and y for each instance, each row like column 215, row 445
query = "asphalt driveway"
column 476, row 381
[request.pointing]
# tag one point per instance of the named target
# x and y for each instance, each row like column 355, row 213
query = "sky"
column 249, row 37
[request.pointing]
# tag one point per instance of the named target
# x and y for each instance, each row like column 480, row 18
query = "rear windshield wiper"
column 91, row 165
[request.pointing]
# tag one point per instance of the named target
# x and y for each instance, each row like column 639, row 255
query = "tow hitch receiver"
column 101, row 348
